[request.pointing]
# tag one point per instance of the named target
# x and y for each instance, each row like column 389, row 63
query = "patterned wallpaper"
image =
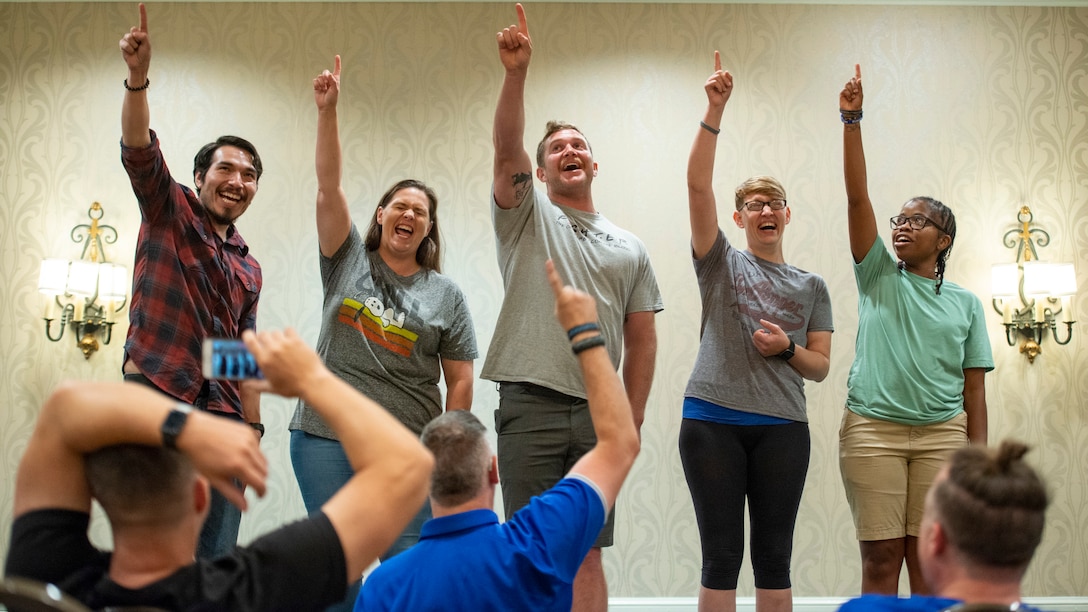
column 983, row 107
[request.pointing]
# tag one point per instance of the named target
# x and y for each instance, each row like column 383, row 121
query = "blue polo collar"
column 462, row 521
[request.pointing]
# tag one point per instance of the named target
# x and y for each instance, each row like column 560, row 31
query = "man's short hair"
column 551, row 128
column 462, row 455
column 762, row 185
column 138, row 484
column 203, row 159
column 992, row 505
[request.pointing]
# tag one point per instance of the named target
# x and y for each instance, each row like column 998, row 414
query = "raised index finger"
column 553, row 276
column 143, row 17
column 857, row 72
column 336, row 71
column 522, row 24
column 717, row 61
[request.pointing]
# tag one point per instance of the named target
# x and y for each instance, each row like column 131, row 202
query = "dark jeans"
column 220, row 532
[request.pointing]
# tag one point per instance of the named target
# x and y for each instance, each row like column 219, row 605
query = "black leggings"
column 724, row 464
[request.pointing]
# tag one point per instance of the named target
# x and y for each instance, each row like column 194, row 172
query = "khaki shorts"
column 887, row 468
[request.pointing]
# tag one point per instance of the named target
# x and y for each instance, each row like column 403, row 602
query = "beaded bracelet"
column 850, row 117
column 140, row 88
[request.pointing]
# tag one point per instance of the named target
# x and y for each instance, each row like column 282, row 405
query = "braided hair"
column 946, row 221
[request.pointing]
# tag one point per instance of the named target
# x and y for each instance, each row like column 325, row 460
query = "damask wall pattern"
column 985, row 108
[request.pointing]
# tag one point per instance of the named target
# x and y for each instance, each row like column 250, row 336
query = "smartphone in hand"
column 229, row 359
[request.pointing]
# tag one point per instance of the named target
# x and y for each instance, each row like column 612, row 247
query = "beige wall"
column 983, row 107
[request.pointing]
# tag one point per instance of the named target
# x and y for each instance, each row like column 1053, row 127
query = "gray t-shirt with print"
column 590, row 253
column 386, row 334
column 738, row 289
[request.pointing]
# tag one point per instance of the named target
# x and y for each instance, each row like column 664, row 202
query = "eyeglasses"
column 757, row 206
column 917, row 222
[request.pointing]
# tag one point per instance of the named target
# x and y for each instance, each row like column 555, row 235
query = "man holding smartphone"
column 151, row 462
column 193, row 277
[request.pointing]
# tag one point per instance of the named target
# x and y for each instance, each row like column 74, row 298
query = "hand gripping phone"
column 229, row 359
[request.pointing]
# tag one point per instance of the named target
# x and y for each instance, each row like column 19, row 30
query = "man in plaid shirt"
column 193, row 276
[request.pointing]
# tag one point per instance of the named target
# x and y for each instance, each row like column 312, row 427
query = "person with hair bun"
column 983, row 520
column 392, row 325
column 916, row 389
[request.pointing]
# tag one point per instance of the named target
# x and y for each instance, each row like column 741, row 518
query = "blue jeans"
column 220, row 532
column 322, row 468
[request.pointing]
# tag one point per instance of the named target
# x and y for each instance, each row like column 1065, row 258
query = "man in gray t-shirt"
column 542, row 409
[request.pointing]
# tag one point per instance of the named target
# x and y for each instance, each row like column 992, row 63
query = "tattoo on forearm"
column 523, row 182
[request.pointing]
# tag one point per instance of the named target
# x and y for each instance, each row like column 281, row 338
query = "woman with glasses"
column 916, row 387
column 766, row 326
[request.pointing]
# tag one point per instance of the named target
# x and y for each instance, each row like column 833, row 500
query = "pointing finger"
column 553, row 276
column 522, row 24
column 717, row 61
column 143, row 17
column 336, row 71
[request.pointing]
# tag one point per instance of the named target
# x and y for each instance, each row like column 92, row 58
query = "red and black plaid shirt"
column 187, row 285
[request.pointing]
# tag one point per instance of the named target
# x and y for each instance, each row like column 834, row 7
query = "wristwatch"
column 175, row 421
column 788, row 353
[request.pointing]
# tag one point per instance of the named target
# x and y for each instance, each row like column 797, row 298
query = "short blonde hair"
column 763, row 185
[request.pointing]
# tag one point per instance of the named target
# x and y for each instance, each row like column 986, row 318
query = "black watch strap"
column 788, row 353
column 258, row 426
column 174, row 423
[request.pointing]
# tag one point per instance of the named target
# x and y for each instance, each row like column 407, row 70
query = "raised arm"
column 513, row 167
column 79, row 418
column 607, row 463
column 859, row 210
column 701, row 204
column 333, row 215
column 392, row 469
column 135, row 115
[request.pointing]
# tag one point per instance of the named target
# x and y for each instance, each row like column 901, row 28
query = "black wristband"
column 140, row 88
column 706, row 127
column 788, row 353
column 581, row 329
column 587, row 343
column 175, row 421
column 259, row 427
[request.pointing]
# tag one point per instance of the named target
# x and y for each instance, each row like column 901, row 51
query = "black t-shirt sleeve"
column 51, row 545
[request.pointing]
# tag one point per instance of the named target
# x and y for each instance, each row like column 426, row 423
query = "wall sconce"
column 89, row 292
column 1044, row 290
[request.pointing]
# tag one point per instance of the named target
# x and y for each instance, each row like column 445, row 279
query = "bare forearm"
column 974, row 404
column 509, row 128
column 638, row 374
column 135, row 114
column 328, row 159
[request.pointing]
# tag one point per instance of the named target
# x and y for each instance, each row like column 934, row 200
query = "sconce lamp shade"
column 53, row 276
column 1005, row 280
column 1049, row 279
column 83, row 278
column 112, row 282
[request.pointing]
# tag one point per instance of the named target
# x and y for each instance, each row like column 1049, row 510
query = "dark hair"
column 946, row 220
column 203, row 159
column 551, row 128
column 140, row 484
column 992, row 505
column 458, row 441
column 429, row 253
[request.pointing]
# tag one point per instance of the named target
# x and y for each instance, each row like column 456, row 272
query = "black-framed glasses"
column 916, row 222
column 757, row 206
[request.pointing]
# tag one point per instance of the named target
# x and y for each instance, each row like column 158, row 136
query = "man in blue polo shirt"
column 465, row 558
